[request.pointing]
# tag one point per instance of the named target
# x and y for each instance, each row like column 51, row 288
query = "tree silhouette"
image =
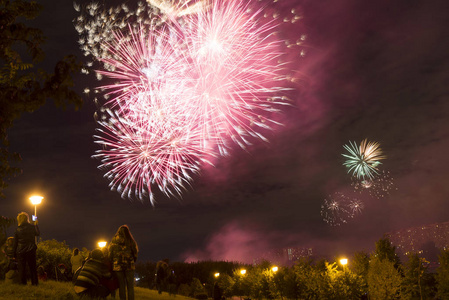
column 385, row 250
column 23, row 86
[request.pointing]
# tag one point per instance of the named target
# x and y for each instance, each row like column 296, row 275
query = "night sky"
column 373, row 69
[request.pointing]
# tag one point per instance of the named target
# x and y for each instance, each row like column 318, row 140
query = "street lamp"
column 217, row 275
column 102, row 244
column 274, row 269
column 35, row 200
column 242, row 271
column 344, row 262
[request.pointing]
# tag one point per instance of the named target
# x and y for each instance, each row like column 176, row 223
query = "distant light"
column 102, row 244
column 274, row 269
column 344, row 261
column 36, row 199
column 216, row 275
column 243, row 271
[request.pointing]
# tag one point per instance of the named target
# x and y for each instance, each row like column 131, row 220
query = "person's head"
column 124, row 234
column 123, row 231
column 23, row 218
column 97, row 254
column 76, row 251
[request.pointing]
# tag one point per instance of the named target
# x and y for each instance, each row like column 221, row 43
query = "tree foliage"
column 226, row 283
column 196, row 288
column 442, row 276
column 416, row 278
column 51, row 253
column 385, row 250
column 384, row 280
column 24, row 87
column 5, row 223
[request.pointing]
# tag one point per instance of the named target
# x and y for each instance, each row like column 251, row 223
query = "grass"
column 64, row 291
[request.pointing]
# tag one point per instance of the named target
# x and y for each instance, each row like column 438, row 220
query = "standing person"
column 76, row 260
column 25, row 247
column 161, row 275
column 123, row 254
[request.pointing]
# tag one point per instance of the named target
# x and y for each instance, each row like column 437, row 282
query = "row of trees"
column 379, row 275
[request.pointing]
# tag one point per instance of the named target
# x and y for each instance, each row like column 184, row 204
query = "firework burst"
column 338, row 209
column 363, row 160
column 186, row 80
column 355, row 207
column 137, row 158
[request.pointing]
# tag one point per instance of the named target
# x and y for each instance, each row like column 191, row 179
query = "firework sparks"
column 338, row 209
column 182, row 8
column 378, row 187
column 355, row 206
column 363, row 160
column 333, row 210
column 186, row 81
column 137, row 158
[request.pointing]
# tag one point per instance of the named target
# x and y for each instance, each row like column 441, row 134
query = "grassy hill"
column 64, row 291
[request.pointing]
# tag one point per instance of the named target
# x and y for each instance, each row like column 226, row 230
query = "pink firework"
column 220, row 66
column 185, row 88
column 138, row 158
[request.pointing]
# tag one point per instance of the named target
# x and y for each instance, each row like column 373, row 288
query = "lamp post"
column 242, row 273
column 344, row 262
column 215, row 288
column 35, row 200
column 274, row 269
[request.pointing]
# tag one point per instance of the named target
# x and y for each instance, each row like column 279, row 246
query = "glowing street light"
column 217, row 275
column 242, row 271
column 274, row 269
column 102, row 244
column 36, row 200
column 344, row 262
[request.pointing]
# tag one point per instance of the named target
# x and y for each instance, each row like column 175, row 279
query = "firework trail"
column 186, row 80
column 338, row 209
column 363, row 160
